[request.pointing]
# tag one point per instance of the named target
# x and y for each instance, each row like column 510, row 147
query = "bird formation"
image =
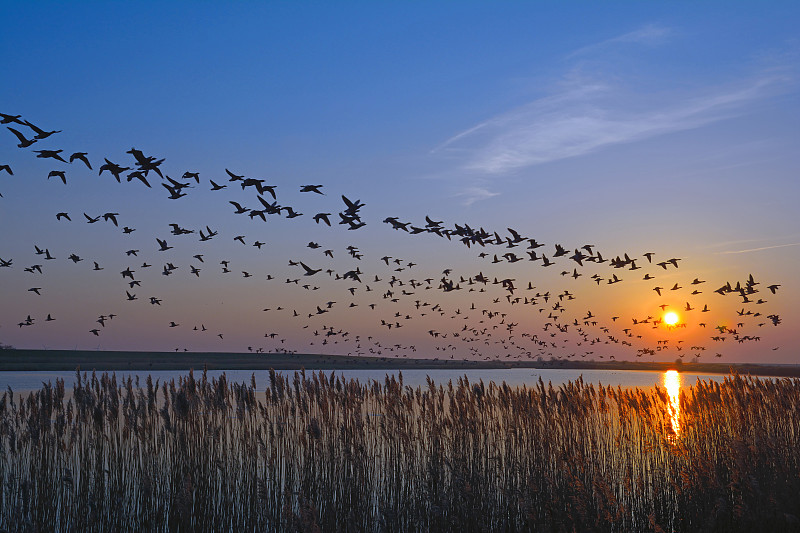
column 520, row 309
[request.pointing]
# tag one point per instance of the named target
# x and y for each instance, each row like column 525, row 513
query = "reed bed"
column 318, row 453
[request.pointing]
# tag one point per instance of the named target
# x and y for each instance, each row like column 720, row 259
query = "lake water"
column 25, row 381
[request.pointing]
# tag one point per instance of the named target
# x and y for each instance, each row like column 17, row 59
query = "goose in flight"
column 174, row 193
column 140, row 176
column 432, row 223
column 396, row 224
column 8, row 119
column 560, row 251
column 323, row 217
column 4, row 263
column 82, row 157
column 233, row 176
column 36, row 290
column 163, row 245
column 23, row 141
column 51, row 154
column 61, row 215
column 40, row 133
column 292, row 212
column 7, row 168
column 352, row 207
column 311, row 188
column 178, row 185
column 146, row 163
column 112, row 217
column 215, row 187
column 114, row 169
column 516, row 238
column 177, row 230
column 91, row 220
column 239, row 208
column 309, row 271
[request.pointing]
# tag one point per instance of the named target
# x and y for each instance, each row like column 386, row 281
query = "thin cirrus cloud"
column 588, row 113
column 586, row 118
column 649, row 34
column 759, row 249
column 470, row 195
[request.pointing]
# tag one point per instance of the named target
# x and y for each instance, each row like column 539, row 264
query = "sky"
column 628, row 128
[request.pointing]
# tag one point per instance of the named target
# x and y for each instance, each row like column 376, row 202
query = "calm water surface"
column 24, row 381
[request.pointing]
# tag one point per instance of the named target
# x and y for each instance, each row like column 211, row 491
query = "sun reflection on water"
column 672, row 382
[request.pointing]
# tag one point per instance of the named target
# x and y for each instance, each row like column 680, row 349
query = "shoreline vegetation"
column 319, row 453
column 69, row 360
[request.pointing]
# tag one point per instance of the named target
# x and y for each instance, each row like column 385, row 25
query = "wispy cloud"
column 649, row 34
column 759, row 249
column 585, row 118
column 587, row 113
column 474, row 193
column 598, row 102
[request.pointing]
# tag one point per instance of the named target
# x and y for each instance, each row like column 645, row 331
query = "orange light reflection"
column 672, row 382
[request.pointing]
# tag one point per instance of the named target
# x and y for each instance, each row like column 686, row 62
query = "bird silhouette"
column 81, row 156
column 23, row 141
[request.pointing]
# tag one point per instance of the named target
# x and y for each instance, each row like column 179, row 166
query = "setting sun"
column 671, row 318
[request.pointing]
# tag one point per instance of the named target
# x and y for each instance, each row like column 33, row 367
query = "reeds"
column 318, row 453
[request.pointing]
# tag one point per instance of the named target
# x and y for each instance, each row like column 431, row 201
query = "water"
column 25, row 381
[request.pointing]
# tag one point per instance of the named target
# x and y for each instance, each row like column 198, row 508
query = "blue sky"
column 663, row 127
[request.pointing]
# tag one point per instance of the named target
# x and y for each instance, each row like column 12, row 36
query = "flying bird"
column 59, row 174
column 81, row 156
column 23, row 141
column 50, row 154
column 323, row 217
column 311, row 188
column 40, row 133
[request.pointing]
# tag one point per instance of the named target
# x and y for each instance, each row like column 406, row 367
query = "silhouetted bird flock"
column 504, row 317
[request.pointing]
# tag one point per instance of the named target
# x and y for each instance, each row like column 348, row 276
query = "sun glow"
column 671, row 318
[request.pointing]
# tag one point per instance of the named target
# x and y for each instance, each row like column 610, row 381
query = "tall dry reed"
column 319, row 453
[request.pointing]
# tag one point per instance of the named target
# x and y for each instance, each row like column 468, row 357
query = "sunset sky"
column 669, row 128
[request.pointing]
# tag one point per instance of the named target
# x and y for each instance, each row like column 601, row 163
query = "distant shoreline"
column 69, row 360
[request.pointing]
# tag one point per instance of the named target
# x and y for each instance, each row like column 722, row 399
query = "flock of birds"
column 465, row 314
